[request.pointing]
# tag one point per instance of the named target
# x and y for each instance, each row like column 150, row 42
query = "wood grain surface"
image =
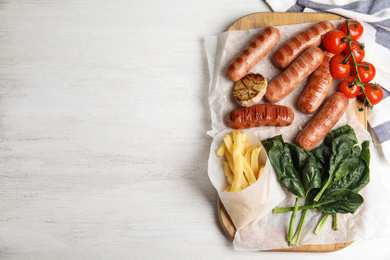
column 259, row 20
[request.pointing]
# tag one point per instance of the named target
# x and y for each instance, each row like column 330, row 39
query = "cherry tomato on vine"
column 374, row 94
column 358, row 52
column 349, row 88
column 366, row 71
column 355, row 28
column 335, row 41
column 339, row 67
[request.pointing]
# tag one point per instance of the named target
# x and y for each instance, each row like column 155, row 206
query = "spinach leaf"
column 339, row 201
column 357, row 174
column 322, row 154
column 365, row 152
column 307, row 166
column 357, row 178
column 299, row 155
column 341, row 171
column 289, row 177
column 344, row 139
column 281, row 159
column 356, row 150
column 270, row 142
column 345, row 130
column 310, row 175
column 341, row 149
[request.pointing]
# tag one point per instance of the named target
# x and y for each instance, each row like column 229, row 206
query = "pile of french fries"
column 241, row 166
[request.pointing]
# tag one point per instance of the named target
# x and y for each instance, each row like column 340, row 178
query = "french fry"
column 255, row 160
column 229, row 158
column 249, row 174
column 228, row 143
column 238, row 162
column 228, row 188
column 245, row 143
column 221, row 150
column 248, row 154
column 244, row 184
column 228, row 172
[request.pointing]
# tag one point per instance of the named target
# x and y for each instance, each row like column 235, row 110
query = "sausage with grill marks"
column 312, row 37
column 260, row 115
column 320, row 125
column 317, row 88
column 255, row 50
column 291, row 77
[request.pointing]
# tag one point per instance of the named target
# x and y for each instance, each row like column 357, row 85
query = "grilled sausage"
column 322, row 123
column 291, row 77
column 260, row 115
column 256, row 49
column 298, row 44
column 317, row 88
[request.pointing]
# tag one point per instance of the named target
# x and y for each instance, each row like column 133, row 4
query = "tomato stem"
column 355, row 64
column 361, row 45
column 355, row 25
column 345, row 39
column 347, row 58
column 374, row 86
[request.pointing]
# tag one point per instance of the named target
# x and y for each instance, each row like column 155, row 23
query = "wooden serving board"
column 260, row 20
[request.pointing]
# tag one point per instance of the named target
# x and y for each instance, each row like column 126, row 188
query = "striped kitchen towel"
column 377, row 14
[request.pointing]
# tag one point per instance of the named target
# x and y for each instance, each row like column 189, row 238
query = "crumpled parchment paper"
column 269, row 230
column 256, row 200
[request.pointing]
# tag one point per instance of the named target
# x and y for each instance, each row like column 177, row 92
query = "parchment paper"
column 269, row 232
column 256, row 200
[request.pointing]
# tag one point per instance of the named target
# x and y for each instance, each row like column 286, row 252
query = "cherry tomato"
column 374, row 94
column 349, row 88
column 339, row 67
column 358, row 52
column 355, row 28
column 334, row 41
column 366, row 71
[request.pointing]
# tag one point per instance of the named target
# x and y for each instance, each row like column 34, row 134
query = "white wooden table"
column 103, row 120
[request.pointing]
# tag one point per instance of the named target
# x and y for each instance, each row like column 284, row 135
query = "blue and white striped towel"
column 377, row 14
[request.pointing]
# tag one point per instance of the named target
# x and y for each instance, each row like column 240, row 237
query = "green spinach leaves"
column 344, row 139
column 329, row 177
